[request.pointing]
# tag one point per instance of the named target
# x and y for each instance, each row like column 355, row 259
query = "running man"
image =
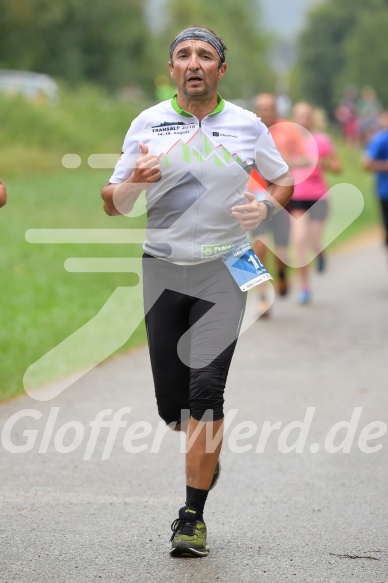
column 193, row 154
column 376, row 160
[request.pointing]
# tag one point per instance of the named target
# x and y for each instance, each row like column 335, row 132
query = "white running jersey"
column 205, row 168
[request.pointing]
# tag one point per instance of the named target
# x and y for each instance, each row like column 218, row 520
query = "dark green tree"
column 366, row 55
column 99, row 41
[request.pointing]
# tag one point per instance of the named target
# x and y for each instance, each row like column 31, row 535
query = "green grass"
column 35, row 136
column 353, row 174
column 42, row 303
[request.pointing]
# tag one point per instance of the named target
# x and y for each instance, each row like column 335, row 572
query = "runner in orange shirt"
column 289, row 142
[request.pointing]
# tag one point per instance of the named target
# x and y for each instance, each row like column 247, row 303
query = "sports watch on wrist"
column 270, row 209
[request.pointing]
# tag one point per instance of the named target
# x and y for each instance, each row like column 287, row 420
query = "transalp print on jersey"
column 203, row 177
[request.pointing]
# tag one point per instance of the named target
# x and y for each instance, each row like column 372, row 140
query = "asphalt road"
column 318, row 514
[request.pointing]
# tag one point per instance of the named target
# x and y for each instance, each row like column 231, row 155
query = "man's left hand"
column 251, row 214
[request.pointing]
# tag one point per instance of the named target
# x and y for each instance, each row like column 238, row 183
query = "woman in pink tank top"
column 309, row 205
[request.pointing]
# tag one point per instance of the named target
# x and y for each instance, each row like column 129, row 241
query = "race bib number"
column 245, row 267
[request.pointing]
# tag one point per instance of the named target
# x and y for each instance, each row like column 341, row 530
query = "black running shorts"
column 318, row 210
column 193, row 315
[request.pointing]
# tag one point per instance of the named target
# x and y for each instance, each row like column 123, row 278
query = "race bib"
column 245, row 267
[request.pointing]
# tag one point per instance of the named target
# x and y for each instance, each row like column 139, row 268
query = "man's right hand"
column 147, row 167
column 120, row 198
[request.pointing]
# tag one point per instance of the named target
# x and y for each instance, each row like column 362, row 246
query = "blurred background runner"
column 376, row 160
column 290, row 144
column 309, row 204
column 369, row 109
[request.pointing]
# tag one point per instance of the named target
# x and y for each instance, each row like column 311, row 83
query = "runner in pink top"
column 310, row 182
column 309, row 203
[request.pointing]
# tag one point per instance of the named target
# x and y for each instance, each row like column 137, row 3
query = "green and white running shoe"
column 189, row 535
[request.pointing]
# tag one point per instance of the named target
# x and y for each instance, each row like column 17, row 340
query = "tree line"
column 343, row 44
column 112, row 43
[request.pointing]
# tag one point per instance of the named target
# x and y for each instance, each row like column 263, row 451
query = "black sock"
column 196, row 499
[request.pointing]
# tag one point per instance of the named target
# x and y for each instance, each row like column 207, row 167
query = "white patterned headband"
column 196, row 33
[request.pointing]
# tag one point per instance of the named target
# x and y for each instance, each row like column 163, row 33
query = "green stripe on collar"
column 220, row 106
column 178, row 109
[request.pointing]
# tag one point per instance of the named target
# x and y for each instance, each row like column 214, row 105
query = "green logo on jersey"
column 214, row 250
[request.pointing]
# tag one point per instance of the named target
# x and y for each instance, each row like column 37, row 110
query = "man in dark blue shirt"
column 376, row 160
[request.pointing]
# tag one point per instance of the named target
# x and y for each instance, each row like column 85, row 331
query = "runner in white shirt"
column 193, row 155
